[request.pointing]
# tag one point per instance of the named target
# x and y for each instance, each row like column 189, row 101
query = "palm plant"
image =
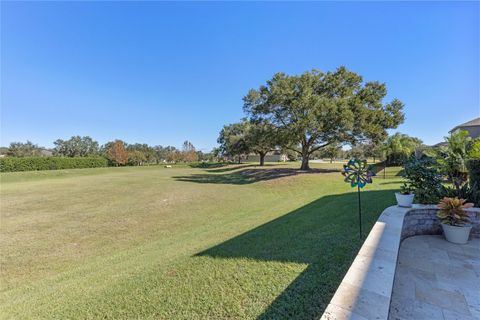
column 399, row 147
column 454, row 157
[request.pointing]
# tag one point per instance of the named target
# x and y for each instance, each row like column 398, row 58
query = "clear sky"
column 161, row 73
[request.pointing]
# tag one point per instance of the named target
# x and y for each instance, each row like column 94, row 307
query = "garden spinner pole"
column 359, row 212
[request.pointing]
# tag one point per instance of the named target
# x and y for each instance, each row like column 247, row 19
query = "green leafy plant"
column 424, row 179
column 473, row 166
column 406, row 189
column 452, row 211
column 474, row 151
column 452, row 159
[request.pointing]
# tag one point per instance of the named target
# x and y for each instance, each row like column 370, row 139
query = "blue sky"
column 162, row 73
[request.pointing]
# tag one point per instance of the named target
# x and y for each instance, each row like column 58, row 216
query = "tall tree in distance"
column 317, row 109
column 76, row 146
column 188, row 152
column 117, row 153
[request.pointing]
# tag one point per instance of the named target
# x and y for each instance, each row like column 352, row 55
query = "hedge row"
column 12, row 164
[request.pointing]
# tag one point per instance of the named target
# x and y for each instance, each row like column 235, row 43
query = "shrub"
column 473, row 166
column 11, row 164
column 423, row 176
column 474, row 152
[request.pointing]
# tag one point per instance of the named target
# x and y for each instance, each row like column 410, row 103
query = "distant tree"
column 331, row 152
column 261, row 138
column 205, row 156
column 316, row 109
column 233, row 140
column 76, row 146
column 356, row 151
column 136, row 157
column 148, row 153
column 174, row 155
column 189, row 153
column 117, row 153
column 160, row 154
column 372, row 150
column 165, row 154
column 216, row 154
column 365, row 150
column 27, row 149
column 398, row 147
column 289, row 153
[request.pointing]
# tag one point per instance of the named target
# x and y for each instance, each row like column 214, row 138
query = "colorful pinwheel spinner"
column 357, row 173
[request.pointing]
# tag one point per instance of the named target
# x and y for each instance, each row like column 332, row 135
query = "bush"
column 473, row 166
column 423, row 176
column 12, row 164
column 474, row 152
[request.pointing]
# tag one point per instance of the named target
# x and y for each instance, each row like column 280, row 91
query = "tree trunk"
column 331, row 160
column 262, row 158
column 305, row 156
column 239, row 159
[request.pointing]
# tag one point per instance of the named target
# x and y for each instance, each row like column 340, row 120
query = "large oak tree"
column 317, row 109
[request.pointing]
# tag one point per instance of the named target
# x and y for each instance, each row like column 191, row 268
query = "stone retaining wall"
column 365, row 291
column 423, row 221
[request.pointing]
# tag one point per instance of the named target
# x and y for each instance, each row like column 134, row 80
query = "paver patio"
column 436, row 279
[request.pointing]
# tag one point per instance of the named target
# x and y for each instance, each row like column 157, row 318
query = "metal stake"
column 359, row 212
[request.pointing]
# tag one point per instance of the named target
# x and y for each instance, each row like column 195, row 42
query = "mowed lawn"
column 236, row 242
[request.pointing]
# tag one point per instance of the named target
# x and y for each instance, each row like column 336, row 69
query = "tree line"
column 118, row 152
column 313, row 114
column 310, row 113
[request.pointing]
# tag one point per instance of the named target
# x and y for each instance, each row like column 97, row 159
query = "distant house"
column 472, row 126
column 46, row 153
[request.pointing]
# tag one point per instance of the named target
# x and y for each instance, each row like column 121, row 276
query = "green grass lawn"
column 236, row 242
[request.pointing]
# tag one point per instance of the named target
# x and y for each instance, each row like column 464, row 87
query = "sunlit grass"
column 178, row 243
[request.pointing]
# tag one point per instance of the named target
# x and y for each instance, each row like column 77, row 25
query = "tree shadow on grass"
column 231, row 168
column 322, row 234
column 248, row 175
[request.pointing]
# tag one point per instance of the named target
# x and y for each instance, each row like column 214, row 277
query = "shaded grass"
column 139, row 243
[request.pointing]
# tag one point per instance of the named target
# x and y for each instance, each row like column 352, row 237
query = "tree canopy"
column 232, row 140
column 316, row 109
column 117, row 153
column 189, row 153
column 259, row 137
column 398, row 147
column 76, row 146
column 27, row 149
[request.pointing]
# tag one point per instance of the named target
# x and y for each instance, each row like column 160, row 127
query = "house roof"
column 471, row 123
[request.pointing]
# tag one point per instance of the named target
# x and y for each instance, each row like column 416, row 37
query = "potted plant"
column 454, row 219
column 405, row 196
